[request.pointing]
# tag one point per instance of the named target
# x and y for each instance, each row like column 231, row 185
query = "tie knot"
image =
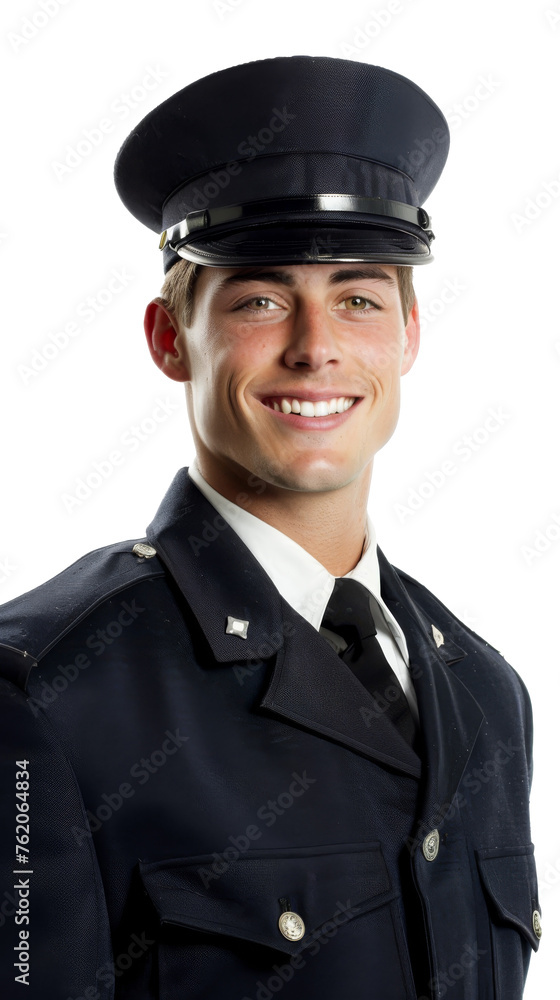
column 349, row 610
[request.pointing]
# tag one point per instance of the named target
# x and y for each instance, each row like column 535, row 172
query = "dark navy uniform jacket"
column 186, row 786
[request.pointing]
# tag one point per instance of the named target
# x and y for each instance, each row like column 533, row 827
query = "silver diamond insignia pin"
column 237, row 626
column 438, row 637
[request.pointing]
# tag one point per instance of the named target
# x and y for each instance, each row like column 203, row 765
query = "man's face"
column 294, row 372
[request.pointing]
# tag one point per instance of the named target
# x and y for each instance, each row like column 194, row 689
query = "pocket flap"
column 510, row 879
column 324, row 886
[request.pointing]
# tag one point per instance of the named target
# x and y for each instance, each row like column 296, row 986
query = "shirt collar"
column 300, row 578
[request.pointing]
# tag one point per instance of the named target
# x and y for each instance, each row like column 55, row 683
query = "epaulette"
column 31, row 624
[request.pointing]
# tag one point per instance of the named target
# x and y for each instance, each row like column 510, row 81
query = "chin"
column 306, row 479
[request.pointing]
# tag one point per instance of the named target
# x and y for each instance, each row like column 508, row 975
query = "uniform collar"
column 219, row 577
column 301, row 579
column 216, row 572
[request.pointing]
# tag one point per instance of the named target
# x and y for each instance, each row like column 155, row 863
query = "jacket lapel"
column 309, row 684
column 220, row 578
column 312, row 686
column 450, row 717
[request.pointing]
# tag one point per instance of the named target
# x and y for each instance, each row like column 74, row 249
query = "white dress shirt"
column 305, row 583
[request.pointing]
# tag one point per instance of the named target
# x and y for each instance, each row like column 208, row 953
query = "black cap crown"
column 289, row 160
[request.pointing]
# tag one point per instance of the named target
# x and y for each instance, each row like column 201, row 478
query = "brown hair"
column 177, row 293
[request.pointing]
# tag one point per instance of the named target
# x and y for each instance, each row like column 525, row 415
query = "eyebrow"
column 285, row 278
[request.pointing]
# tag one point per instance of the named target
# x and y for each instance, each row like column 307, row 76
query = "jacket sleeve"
column 54, row 929
column 528, row 728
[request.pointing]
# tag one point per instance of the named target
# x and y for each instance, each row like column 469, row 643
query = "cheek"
column 220, row 374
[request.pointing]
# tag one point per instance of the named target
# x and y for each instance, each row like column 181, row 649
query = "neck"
column 329, row 525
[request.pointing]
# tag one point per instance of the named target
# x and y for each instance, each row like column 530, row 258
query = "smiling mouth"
column 310, row 408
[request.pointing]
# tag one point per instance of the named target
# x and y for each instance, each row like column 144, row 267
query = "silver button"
column 430, row 846
column 143, row 550
column 291, row 926
column 537, row 924
column 237, row 626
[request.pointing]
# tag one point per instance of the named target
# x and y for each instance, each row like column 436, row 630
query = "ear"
column 412, row 339
column 165, row 342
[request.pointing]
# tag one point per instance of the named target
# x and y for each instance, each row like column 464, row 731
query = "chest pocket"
column 509, row 879
column 220, row 935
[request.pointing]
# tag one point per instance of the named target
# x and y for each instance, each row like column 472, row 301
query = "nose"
column 312, row 339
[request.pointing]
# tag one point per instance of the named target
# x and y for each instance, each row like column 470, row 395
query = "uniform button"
column 430, row 846
column 291, row 926
column 537, row 924
column 143, row 550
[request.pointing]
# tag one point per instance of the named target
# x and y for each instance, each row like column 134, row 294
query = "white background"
column 493, row 66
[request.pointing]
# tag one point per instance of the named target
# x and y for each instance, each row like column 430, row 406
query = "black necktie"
column 348, row 614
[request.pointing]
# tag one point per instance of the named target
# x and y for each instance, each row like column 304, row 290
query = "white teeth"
column 322, row 408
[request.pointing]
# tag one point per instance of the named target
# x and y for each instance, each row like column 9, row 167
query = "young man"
column 251, row 756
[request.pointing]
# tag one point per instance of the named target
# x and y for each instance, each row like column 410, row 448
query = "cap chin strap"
column 174, row 236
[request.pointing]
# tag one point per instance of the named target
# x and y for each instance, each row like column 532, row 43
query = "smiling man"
column 293, row 375
column 248, row 755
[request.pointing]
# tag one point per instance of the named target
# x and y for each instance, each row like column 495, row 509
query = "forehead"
column 219, row 279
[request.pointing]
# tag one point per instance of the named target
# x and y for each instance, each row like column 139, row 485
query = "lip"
column 313, row 395
column 295, row 420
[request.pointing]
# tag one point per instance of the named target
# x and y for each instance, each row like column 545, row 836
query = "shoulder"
column 34, row 622
column 442, row 615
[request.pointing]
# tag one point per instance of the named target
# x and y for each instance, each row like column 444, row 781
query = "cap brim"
column 292, row 243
